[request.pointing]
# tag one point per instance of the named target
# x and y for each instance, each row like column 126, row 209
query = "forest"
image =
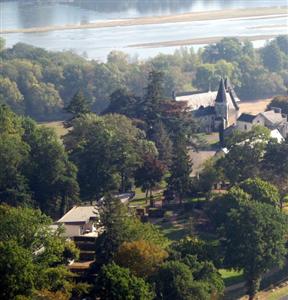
column 38, row 83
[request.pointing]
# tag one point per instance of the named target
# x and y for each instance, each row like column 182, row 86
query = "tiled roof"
column 79, row 214
column 246, row 118
column 273, row 117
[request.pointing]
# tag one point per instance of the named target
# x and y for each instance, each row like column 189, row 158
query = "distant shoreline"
column 200, row 41
column 186, row 17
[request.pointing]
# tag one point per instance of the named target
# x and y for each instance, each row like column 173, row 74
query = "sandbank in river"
column 186, row 17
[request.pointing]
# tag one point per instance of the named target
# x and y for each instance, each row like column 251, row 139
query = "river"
column 96, row 43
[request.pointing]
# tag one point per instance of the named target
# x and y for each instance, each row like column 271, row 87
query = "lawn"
column 171, row 231
column 278, row 294
column 231, row 277
column 57, row 126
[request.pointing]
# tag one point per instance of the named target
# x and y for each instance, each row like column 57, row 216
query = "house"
column 272, row 119
column 212, row 109
column 80, row 220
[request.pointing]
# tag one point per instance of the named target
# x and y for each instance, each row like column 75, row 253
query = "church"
column 213, row 109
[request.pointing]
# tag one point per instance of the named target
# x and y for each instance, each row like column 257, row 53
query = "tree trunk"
column 146, row 196
column 63, row 205
column 122, row 182
column 151, row 199
column 253, row 284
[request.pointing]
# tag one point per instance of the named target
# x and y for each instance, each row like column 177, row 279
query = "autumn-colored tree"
column 141, row 257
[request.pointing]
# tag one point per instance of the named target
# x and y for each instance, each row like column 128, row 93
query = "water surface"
column 97, row 43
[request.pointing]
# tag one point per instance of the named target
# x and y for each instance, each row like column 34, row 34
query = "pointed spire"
column 221, row 95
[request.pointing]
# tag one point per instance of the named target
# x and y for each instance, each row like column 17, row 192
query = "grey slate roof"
column 221, row 95
column 246, row 118
column 273, row 117
column 197, row 99
column 204, row 111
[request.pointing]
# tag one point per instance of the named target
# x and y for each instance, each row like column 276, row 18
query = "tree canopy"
column 34, row 253
column 40, row 83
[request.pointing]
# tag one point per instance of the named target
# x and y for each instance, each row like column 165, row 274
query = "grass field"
column 231, row 277
column 278, row 294
column 58, row 126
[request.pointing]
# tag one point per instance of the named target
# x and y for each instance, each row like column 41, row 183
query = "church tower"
column 221, row 104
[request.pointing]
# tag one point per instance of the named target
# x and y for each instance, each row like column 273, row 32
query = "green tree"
column 282, row 43
column 2, row 44
column 218, row 209
column 174, row 280
column 193, row 246
column 28, row 244
column 141, row 257
column 116, row 283
column 17, row 270
column 179, row 181
column 50, row 174
column 122, row 102
column 204, row 78
column 149, row 175
column 149, row 109
column 229, row 49
column 106, row 150
column 261, row 191
column 275, row 167
column 163, row 143
column 246, row 150
column 120, row 227
column 272, row 57
column 78, row 104
column 10, row 94
column 255, row 241
column 279, row 102
column 14, row 155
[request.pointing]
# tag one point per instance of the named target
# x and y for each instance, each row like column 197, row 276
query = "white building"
column 272, row 119
column 80, row 220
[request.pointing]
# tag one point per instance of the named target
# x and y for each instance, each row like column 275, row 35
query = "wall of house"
column 206, row 123
column 233, row 116
column 244, row 126
column 73, row 230
column 284, row 130
column 259, row 120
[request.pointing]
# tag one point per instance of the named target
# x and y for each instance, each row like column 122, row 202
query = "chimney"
column 277, row 110
column 173, row 95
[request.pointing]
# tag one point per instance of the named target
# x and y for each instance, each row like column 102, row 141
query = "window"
column 245, row 127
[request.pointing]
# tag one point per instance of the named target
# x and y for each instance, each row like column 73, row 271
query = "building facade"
column 272, row 119
column 213, row 109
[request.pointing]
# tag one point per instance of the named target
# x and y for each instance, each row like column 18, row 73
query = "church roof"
column 197, row 99
column 205, row 111
column 231, row 91
column 221, row 95
column 246, row 118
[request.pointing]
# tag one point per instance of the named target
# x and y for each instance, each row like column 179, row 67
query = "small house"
column 80, row 220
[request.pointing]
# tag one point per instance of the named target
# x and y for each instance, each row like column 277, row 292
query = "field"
column 58, row 126
column 254, row 107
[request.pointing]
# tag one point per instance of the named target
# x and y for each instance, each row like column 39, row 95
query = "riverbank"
column 187, row 17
